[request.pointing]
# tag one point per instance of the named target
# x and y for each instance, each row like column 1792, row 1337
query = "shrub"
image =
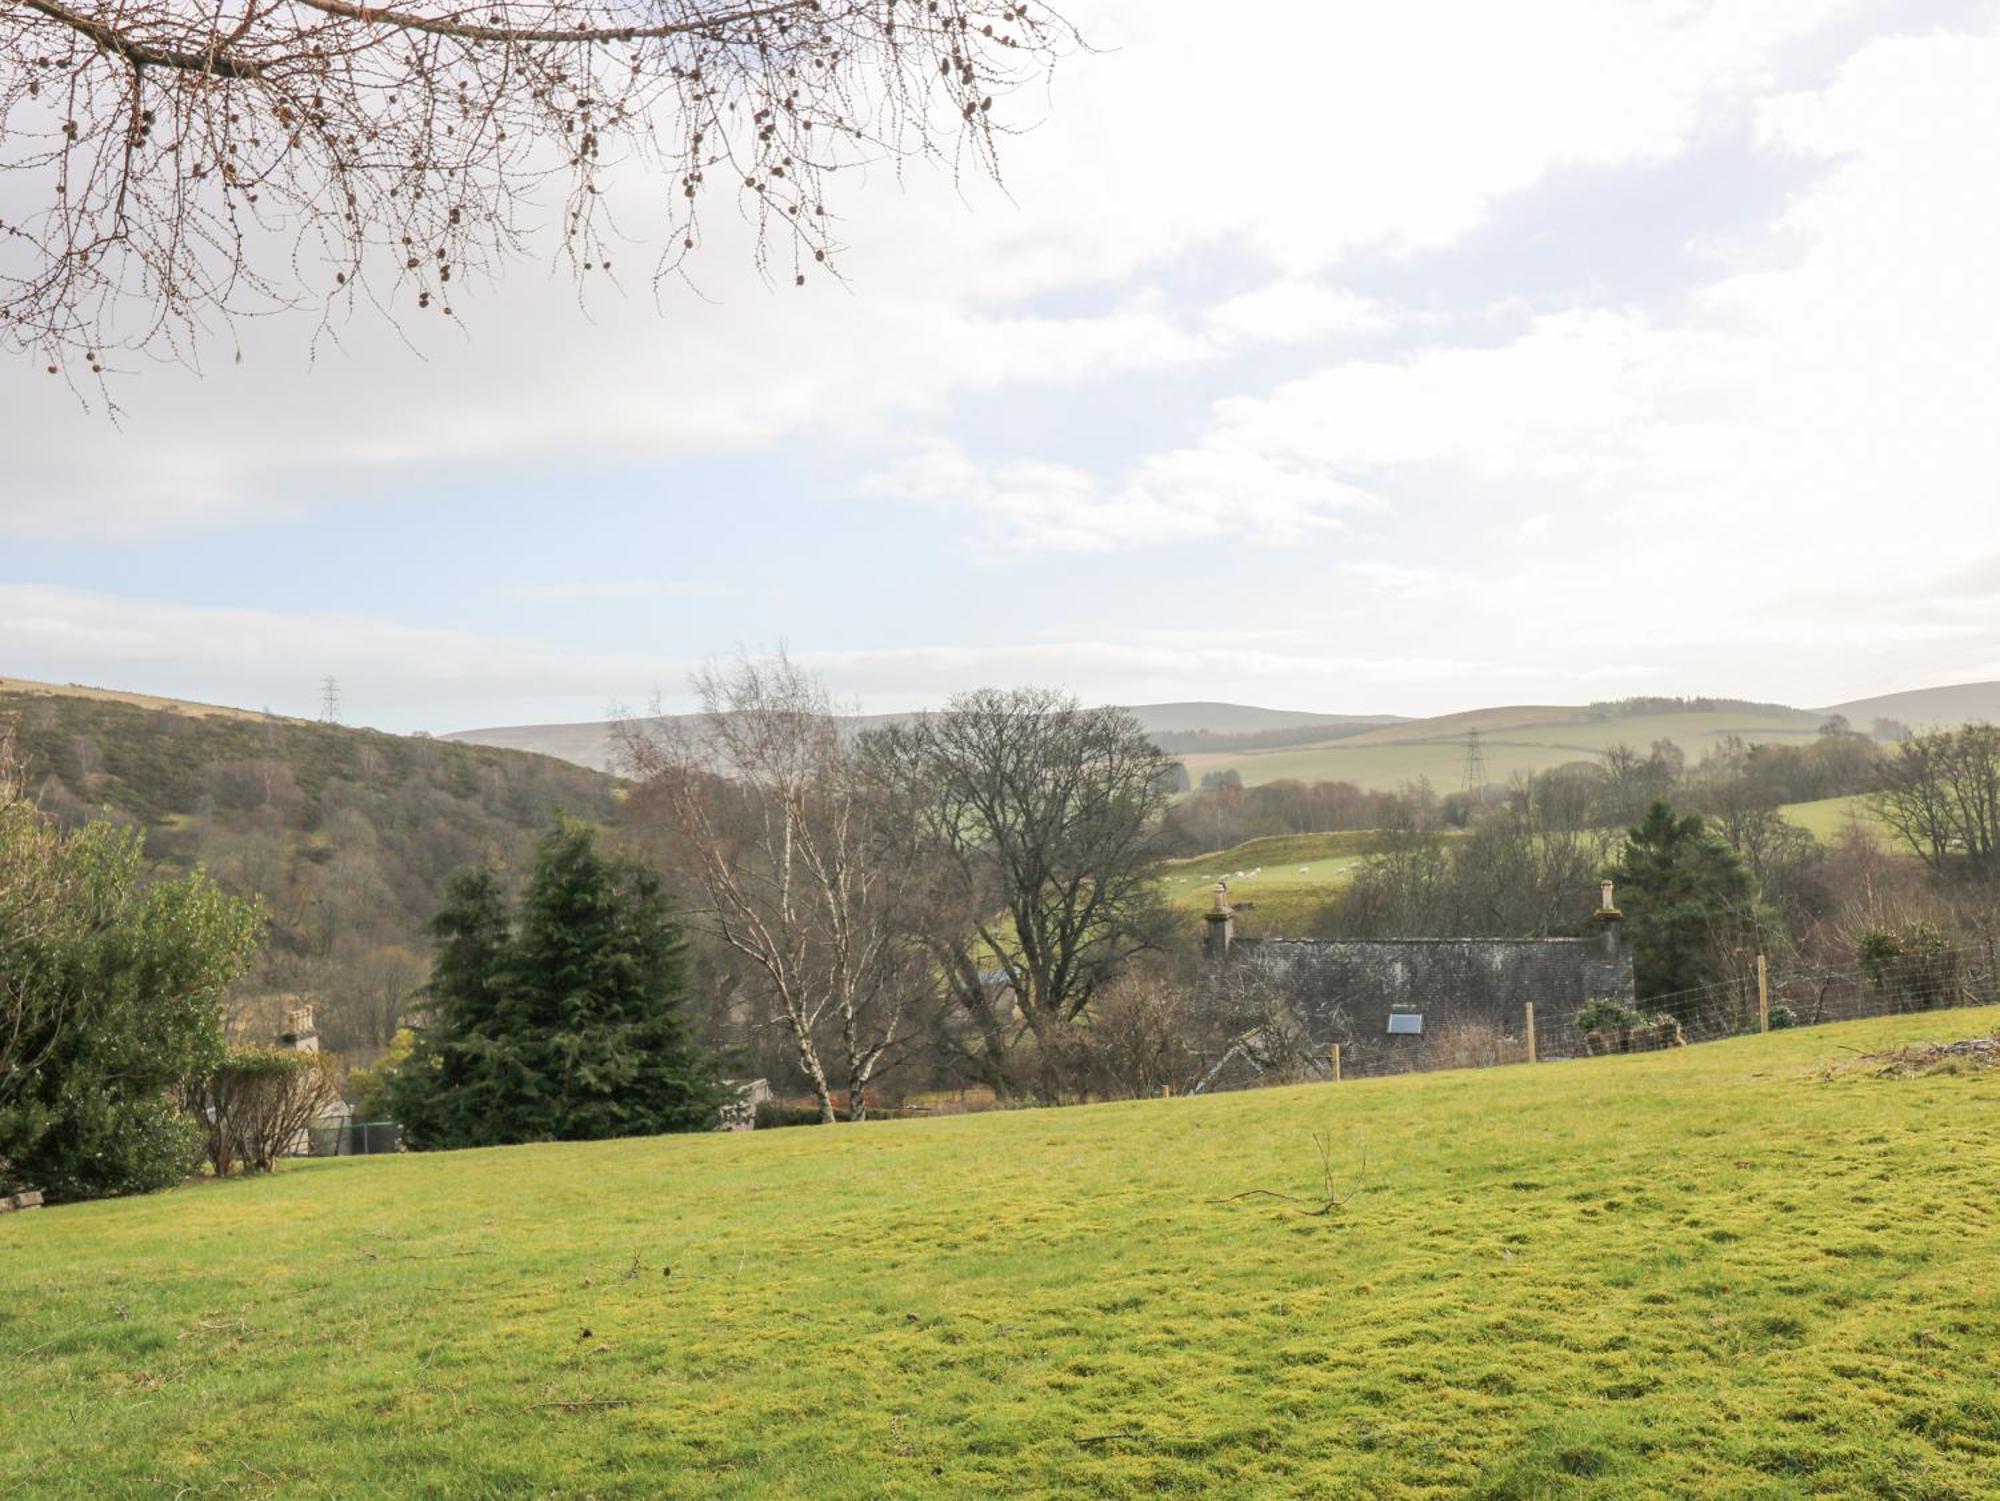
column 1471, row 1044
column 1607, row 1016
column 111, row 988
column 368, row 1088
column 1783, row 1017
column 1913, row 964
column 253, row 1107
column 771, row 1114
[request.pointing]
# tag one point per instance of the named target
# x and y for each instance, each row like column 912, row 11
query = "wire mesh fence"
column 1741, row 1005
column 347, row 1137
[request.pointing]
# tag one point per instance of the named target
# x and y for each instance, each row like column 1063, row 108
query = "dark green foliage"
column 113, row 997
column 1607, row 1016
column 1690, row 903
column 1914, row 964
column 566, row 1025
column 348, row 835
column 772, row 1114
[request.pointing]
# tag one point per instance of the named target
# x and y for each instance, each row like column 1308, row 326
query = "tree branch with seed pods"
column 170, row 167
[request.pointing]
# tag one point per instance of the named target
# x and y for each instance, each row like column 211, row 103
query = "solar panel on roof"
column 1406, row 1024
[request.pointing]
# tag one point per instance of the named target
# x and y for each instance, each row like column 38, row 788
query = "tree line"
column 966, row 898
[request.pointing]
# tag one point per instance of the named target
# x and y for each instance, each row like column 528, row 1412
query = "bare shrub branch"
column 1329, row 1198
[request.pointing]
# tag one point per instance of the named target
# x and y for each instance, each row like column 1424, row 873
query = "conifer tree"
column 442, row 1090
column 1689, row 899
column 566, row 1026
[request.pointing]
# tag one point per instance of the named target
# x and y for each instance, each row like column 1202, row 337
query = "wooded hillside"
column 348, row 835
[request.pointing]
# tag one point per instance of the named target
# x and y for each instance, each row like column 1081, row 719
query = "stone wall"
column 1344, row 991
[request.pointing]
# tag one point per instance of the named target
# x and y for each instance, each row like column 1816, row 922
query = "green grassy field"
column 1522, row 739
column 1829, row 818
column 1286, row 876
column 1709, row 1272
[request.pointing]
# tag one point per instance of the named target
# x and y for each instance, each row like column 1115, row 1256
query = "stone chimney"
column 300, row 1034
column 1610, row 919
column 1221, row 925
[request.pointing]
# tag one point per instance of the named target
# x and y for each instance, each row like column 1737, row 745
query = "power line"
column 329, row 699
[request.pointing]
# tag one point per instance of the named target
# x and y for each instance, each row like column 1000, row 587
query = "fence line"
column 1733, row 1007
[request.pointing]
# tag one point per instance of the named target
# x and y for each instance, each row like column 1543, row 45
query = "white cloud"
column 1171, row 497
column 1294, row 311
column 1298, row 140
column 1834, row 413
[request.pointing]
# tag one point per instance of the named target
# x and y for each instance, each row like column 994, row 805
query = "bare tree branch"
column 170, row 167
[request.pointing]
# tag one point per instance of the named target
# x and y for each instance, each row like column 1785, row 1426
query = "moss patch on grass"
column 1709, row 1271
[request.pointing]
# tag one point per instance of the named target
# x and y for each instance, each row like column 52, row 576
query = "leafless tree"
column 1244, row 1021
column 760, row 797
column 1036, row 821
column 170, row 165
column 254, row 1107
column 1942, row 799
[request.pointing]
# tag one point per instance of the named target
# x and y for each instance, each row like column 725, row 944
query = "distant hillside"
column 1179, row 727
column 347, row 835
column 1516, row 738
column 1960, row 703
column 29, row 688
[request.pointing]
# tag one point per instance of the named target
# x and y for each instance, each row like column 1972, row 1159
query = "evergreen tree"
column 441, row 1092
column 1689, row 899
column 568, row 1027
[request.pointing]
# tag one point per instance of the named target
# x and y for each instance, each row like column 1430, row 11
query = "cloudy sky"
column 1393, row 358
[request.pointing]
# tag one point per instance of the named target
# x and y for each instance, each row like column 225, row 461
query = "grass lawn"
column 1709, row 1272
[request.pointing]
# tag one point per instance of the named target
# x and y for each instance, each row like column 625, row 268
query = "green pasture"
column 1285, row 876
column 1707, row 1272
column 1511, row 740
column 1830, row 818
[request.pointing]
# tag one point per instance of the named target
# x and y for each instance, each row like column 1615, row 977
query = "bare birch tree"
column 167, row 165
column 759, row 797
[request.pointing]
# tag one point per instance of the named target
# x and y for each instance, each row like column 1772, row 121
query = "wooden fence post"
column 1763, row 995
column 1528, row 1007
column 1333, row 1057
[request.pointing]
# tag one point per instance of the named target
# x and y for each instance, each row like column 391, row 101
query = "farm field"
column 1287, row 876
column 1523, row 739
column 1711, row 1271
column 1830, row 817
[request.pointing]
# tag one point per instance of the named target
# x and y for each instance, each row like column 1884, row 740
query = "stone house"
column 1388, row 1001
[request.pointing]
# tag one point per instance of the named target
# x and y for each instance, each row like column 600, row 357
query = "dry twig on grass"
column 1328, row 1201
column 1963, row 1056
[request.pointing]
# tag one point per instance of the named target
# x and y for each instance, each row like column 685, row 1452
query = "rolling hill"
column 1919, row 708
column 1384, row 752
column 590, row 743
column 1707, row 1272
column 1518, row 738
